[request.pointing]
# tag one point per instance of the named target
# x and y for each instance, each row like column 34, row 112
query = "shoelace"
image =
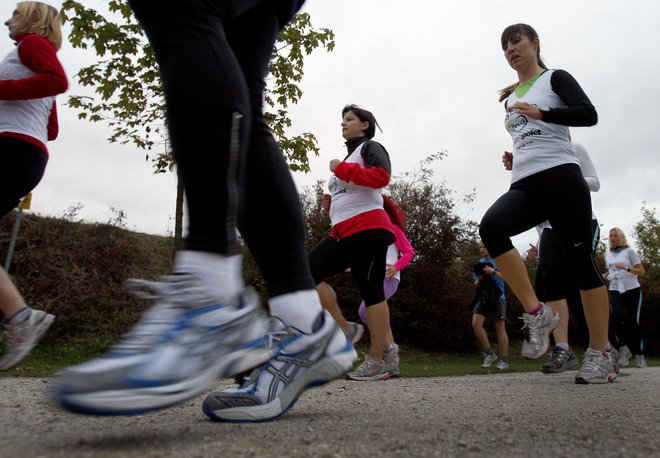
column 183, row 291
column 276, row 330
column 368, row 363
column 12, row 333
column 591, row 362
column 169, row 299
column 560, row 355
column 528, row 330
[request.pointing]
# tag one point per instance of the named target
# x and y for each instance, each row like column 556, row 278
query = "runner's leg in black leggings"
column 213, row 65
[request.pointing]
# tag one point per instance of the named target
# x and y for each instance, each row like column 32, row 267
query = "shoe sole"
column 142, row 399
column 322, row 372
column 40, row 330
column 369, row 378
column 582, row 381
column 554, row 322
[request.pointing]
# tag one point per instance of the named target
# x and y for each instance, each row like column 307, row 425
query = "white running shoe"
column 537, row 329
column 640, row 361
column 22, row 337
column 355, row 331
column 391, row 358
column 181, row 345
column 596, row 368
column 489, row 359
column 625, row 355
column 302, row 361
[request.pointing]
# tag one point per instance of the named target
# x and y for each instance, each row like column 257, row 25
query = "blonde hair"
column 42, row 19
column 623, row 241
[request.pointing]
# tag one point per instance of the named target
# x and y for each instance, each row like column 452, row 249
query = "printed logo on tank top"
column 515, row 124
column 537, row 145
column 334, row 186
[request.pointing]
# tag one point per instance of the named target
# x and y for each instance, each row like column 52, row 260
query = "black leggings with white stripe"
column 213, row 57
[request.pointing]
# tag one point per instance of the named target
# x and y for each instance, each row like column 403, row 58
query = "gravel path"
column 508, row 415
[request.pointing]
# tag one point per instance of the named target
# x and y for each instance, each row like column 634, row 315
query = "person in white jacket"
column 623, row 270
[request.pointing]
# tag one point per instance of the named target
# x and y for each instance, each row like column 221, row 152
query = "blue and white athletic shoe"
column 178, row 349
column 302, row 361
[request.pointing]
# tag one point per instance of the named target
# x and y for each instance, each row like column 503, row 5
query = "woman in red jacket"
column 30, row 78
column 361, row 232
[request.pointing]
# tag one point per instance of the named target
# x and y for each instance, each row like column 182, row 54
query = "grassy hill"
column 75, row 270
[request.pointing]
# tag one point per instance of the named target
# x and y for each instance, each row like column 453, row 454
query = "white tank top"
column 537, row 145
column 349, row 199
column 27, row 117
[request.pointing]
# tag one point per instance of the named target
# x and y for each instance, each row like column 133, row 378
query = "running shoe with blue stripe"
column 302, row 361
column 181, row 346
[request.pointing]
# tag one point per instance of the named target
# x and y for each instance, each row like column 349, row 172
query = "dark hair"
column 395, row 212
column 513, row 33
column 364, row 116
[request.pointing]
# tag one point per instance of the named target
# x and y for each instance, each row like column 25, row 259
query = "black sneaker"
column 560, row 360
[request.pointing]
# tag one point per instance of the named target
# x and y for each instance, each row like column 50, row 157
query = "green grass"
column 50, row 357
column 416, row 363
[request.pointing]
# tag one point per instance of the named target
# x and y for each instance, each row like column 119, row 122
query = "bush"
column 430, row 309
column 75, row 270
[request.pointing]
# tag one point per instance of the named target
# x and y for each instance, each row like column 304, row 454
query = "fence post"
column 24, row 205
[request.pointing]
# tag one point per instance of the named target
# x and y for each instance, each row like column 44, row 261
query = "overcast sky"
column 430, row 71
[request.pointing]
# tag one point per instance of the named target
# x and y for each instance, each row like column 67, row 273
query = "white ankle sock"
column 299, row 309
column 222, row 275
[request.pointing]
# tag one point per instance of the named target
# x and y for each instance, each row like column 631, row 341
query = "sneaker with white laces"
column 640, row 361
column 596, row 368
column 489, row 359
column 537, row 329
column 626, row 354
column 559, row 361
column 22, row 337
column 370, row 369
column 355, row 331
column 502, row 365
column 301, row 361
column 391, row 358
column 180, row 346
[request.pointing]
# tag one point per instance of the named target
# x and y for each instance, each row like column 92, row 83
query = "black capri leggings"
column 559, row 195
column 625, row 310
column 22, row 168
column 365, row 253
column 554, row 278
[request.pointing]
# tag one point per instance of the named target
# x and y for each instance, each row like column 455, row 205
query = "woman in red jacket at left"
column 30, row 77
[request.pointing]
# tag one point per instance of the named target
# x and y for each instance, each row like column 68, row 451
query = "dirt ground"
column 512, row 415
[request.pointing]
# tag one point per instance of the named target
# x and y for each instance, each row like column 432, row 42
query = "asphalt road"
column 512, row 415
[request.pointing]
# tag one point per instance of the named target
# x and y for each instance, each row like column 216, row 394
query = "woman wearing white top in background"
column 623, row 269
